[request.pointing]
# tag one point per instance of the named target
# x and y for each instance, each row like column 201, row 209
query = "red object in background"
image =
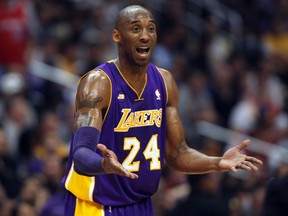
column 13, row 32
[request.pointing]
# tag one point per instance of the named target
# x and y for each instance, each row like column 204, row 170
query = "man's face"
column 137, row 37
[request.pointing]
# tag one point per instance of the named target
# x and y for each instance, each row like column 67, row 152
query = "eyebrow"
column 137, row 21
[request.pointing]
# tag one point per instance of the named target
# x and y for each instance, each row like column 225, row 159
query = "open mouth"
column 143, row 50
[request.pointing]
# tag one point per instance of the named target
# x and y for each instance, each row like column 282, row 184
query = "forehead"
column 137, row 15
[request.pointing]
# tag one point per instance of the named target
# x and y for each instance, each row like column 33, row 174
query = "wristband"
column 86, row 160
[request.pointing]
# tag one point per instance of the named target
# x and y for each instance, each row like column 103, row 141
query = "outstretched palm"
column 233, row 159
column 111, row 164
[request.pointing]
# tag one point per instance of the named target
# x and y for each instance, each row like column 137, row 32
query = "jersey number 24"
column 151, row 152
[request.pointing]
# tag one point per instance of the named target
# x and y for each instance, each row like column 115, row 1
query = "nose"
column 144, row 35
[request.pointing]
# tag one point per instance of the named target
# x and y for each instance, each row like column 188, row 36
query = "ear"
column 116, row 36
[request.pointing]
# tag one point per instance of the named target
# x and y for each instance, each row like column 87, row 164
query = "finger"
column 251, row 165
column 254, row 160
column 254, row 168
column 244, row 167
column 102, row 147
column 132, row 175
column 243, row 144
column 105, row 151
column 125, row 172
column 233, row 169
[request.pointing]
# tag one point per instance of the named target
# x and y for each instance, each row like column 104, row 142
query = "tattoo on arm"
column 84, row 119
column 87, row 118
column 85, row 102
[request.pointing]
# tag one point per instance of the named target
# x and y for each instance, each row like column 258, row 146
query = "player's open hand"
column 111, row 164
column 233, row 159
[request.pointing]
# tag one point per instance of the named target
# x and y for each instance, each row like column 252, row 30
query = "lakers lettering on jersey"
column 138, row 119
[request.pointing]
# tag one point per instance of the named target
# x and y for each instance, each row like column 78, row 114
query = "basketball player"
column 127, row 123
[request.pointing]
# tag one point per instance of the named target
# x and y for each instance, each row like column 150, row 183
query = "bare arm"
column 92, row 99
column 185, row 159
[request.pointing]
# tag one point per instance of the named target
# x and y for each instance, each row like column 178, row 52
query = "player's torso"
column 134, row 128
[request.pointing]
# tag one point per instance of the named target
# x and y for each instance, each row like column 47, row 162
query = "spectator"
column 276, row 198
column 9, row 177
column 203, row 199
column 195, row 104
column 19, row 117
column 17, row 32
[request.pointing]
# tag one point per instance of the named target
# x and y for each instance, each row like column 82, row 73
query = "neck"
column 128, row 69
column 135, row 75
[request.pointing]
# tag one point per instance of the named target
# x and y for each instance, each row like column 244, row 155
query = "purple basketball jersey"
column 135, row 129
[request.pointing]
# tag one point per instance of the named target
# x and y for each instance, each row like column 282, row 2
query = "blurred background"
column 230, row 61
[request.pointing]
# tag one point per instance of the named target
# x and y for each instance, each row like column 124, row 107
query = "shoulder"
column 171, row 86
column 167, row 76
column 95, row 78
column 93, row 85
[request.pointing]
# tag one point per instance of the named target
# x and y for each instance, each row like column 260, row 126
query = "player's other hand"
column 233, row 159
column 111, row 164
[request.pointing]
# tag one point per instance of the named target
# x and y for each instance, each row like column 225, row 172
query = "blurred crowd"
column 230, row 61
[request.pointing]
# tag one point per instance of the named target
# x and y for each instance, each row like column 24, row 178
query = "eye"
column 136, row 29
column 151, row 29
